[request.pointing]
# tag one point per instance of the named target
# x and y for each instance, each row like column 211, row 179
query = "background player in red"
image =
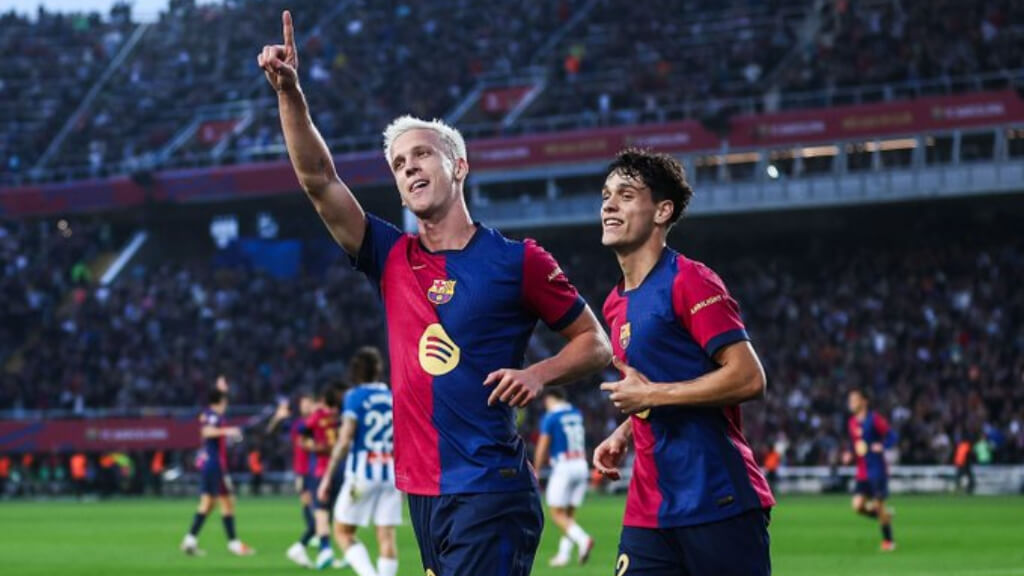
column 461, row 302
column 697, row 501
column 322, row 424
column 297, row 433
column 870, row 435
column 213, row 474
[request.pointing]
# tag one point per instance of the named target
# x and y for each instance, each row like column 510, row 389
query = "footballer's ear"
column 663, row 212
column 461, row 169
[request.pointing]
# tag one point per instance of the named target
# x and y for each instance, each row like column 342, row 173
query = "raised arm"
column 311, row 159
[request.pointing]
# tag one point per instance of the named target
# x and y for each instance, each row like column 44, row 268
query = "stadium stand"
column 931, row 322
column 52, row 60
column 932, row 327
column 189, row 93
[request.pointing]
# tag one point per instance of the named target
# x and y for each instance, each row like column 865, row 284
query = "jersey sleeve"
column 547, row 424
column 706, row 309
column 885, row 432
column 378, row 240
column 547, row 292
column 350, row 409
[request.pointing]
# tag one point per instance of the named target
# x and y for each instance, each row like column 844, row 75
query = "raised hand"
column 280, row 62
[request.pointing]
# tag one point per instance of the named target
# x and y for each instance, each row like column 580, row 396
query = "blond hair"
column 452, row 141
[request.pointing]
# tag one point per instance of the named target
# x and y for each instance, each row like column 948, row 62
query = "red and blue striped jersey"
column 300, row 456
column 214, row 453
column 323, row 425
column 873, row 429
column 692, row 464
column 453, row 317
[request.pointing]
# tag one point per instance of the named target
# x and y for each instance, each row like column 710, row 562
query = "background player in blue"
column 562, row 442
column 697, row 502
column 870, row 435
column 213, row 475
column 461, row 302
column 365, row 440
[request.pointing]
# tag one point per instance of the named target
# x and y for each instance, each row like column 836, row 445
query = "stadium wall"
column 495, row 159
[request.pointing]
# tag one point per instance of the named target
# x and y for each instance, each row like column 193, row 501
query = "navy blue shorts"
column 736, row 546
column 874, row 488
column 336, row 481
column 215, row 482
column 479, row 534
column 309, row 483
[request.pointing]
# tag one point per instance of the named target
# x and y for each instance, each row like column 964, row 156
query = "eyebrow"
column 415, row 149
column 621, row 187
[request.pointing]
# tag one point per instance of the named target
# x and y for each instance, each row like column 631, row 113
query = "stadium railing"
column 1011, row 79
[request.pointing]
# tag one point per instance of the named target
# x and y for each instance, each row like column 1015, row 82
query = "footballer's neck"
column 637, row 261
column 451, row 228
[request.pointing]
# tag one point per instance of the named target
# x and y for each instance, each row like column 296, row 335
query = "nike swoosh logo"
column 420, row 267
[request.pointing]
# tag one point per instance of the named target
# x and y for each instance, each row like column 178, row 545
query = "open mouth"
column 612, row 222
column 418, row 185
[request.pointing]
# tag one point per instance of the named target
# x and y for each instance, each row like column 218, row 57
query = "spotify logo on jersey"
column 438, row 353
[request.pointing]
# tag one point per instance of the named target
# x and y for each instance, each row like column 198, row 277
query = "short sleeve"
column 547, row 292
column 380, row 237
column 350, row 409
column 705, row 308
column 885, row 432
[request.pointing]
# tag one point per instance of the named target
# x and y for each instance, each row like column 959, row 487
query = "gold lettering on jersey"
column 430, row 572
column 625, row 333
column 705, row 303
column 438, row 353
column 644, row 414
column 441, row 291
column 555, row 273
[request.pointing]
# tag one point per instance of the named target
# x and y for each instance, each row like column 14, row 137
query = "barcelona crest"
column 441, row 291
column 625, row 331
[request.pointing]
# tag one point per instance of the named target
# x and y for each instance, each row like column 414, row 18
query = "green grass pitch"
column 937, row 535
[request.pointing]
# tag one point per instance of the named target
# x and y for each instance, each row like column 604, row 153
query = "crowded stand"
column 189, row 93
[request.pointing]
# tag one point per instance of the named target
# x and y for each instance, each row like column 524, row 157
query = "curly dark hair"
column 663, row 174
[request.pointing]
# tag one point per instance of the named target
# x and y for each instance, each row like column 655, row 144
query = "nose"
column 411, row 168
column 609, row 206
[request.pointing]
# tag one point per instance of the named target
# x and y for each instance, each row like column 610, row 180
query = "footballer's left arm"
column 586, row 351
column 738, row 379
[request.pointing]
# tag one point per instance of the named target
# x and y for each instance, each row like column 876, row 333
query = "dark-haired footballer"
column 323, row 433
column 697, row 502
column 214, row 481
column 870, row 435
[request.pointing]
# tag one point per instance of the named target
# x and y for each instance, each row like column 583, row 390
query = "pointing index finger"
column 289, row 34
